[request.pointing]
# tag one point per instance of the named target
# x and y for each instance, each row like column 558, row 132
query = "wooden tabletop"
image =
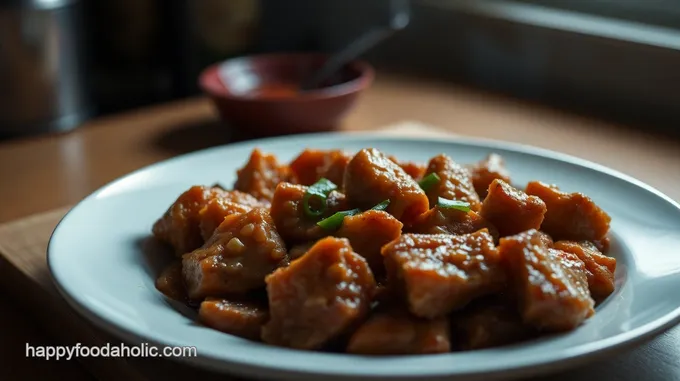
column 43, row 173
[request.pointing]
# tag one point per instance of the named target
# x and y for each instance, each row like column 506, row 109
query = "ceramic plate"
column 98, row 261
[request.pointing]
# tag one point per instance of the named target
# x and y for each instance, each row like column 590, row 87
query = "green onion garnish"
column 453, row 204
column 318, row 191
column 335, row 221
column 429, row 181
column 382, row 206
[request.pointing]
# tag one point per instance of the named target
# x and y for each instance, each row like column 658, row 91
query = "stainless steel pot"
column 42, row 69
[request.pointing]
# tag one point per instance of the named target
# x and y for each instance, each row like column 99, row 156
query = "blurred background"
column 65, row 61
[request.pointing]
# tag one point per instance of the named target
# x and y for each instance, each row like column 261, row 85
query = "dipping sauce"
column 275, row 90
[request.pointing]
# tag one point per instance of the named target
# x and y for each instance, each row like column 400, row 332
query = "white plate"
column 97, row 262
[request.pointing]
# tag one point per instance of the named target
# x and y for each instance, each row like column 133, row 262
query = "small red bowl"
column 258, row 94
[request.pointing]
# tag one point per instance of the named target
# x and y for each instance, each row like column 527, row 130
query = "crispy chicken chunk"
column 311, row 165
column 489, row 323
column 441, row 273
column 371, row 178
column 451, row 221
column 455, row 182
column 510, row 210
column 179, row 226
column 400, row 333
column 241, row 252
column 570, row 216
column 415, row 170
column 599, row 268
column 238, row 318
column 368, row 232
column 289, row 216
column 486, row 171
column 319, row 296
column 551, row 285
column 261, row 174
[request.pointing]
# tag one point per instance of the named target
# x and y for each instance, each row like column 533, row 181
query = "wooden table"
column 43, row 173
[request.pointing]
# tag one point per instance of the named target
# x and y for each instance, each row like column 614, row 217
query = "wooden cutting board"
column 24, row 274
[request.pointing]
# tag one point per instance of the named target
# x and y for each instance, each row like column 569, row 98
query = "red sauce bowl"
column 259, row 94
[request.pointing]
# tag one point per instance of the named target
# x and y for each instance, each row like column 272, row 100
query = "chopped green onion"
column 453, row 204
column 319, row 191
column 218, row 185
column 382, row 206
column 335, row 221
column 429, row 181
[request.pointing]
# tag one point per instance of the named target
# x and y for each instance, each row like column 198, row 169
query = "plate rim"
column 595, row 350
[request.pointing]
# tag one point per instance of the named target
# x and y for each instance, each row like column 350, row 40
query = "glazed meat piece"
column 486, row 171
column 602, row 244
column 319, row 296
column 570, row 216
column 400, row 333
column 238, row 318
column 489, row 323
column 451, row 221
column 545, row 239
column 599, row 268
column 212, row 215
column 441, row 273
column 371, row 178
column 179, row 226
column 510, row 210
column 261, row 174
column 241, row 252
column 551, row 285
column 289, row 216
column 311, row 165
column 368, row 232
column 415, row 170
column 170, row 282
column 455, row 182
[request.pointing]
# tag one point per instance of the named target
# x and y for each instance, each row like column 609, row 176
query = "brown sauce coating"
column 396, row 332
column 570, row 216
column 368, row 232
column 241, row 252
column 600, row 268
column 261, row 174
column 451, row 221
column 179, row 226
column 289, row 216
column 486, row 171
column 442, row 273
column 371, row 178
column 489, row 323
column 171, row 283
column 318, row 296
column 455, row 182
column 312, row 165
column 417, row 278
column 510, row 210
column 551, row 285
column 239, row 318
column 415, row 170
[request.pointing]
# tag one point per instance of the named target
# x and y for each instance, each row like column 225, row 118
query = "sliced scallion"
column 335, row 221
column 429, row 181
column 317, row 192
column 453, row 204
column 382, row 206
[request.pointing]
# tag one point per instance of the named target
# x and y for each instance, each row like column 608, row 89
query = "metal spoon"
column 399, row 19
